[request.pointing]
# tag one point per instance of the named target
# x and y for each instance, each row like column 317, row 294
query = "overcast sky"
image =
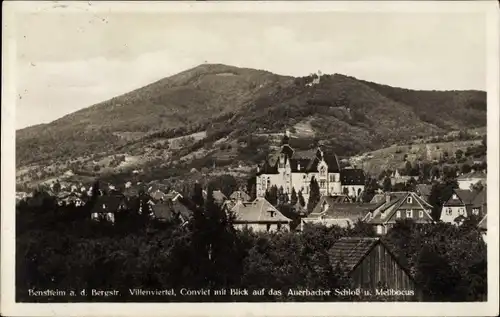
column 67, row 61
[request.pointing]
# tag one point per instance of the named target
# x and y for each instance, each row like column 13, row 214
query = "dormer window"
column 454, row 196
column 409, row 200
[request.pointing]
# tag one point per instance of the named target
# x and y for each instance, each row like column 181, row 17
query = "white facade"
column 329, row 183
column 263, row 227
column 353, row 190
column 467, row 183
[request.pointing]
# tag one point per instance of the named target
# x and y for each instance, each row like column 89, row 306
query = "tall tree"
column 253, row 192
column 314, row 195
column 408, row 168
column 371, row 186
column 301, row 199
column 387, row 185
column 198, row 195
column 294, row 198
column 252, row 186
column 272, row 195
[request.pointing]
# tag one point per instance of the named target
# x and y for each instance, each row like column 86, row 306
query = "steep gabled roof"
column 352, row 176
column 259, row 210
column 384, row 212
column 464, row 197
column 239, row 194
column 349, row 252
column 351, row 211
column 308, row 161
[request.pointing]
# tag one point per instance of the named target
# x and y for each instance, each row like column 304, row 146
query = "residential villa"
column 353, row 182
column 372, row 265
column 465, row 181
column 398, row 206
column 463, row 203
column 259, row 215
column 329, row 212
column 292, row 169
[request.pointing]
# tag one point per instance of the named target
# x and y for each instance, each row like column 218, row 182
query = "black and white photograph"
column 250, row 152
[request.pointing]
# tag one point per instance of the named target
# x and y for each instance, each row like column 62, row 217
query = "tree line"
column 59, row 247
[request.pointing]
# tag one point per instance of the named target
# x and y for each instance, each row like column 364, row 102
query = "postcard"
column 256, row 158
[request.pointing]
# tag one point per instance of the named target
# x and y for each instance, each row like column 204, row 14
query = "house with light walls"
column 464, row 203
column 466, row 181
column 291, row 169
column 398, row 206
column 260, row 216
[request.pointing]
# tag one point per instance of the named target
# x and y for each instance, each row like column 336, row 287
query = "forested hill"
column 230, row 104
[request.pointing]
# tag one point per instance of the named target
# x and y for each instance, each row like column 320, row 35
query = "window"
column 379, row 229
column 448, row 212
column 279, row 226
column 409, row 213
column 398, row 214
column 461, row 212
column 268, row 227
column 322, row 171
column 475, row 211
column 332, row 177
column 322, row 183
column 421, row 214
column 409, row 200
column 454, row 196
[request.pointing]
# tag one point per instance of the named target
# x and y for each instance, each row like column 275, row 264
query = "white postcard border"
column 10, row 308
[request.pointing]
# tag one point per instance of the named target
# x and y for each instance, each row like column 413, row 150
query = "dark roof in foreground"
column 349, row 252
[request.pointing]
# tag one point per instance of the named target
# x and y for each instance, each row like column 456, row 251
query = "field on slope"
column 395, row 157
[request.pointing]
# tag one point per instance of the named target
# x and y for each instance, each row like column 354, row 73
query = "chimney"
column 387, row 198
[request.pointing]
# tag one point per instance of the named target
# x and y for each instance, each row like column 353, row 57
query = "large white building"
column 290, row 169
